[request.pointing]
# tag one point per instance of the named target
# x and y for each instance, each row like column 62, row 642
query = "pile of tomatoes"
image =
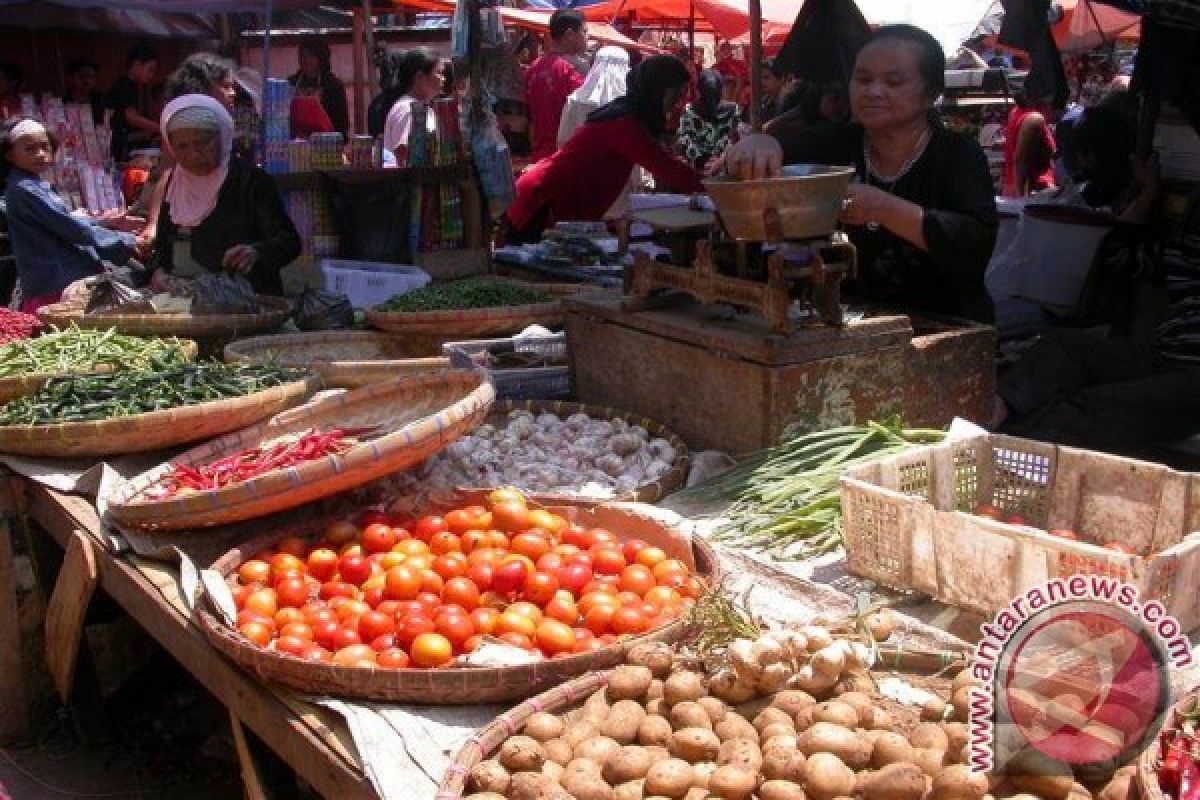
column 992, row 512
column 389, row 592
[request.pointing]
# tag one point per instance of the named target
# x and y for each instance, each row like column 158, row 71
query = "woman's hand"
column 240, row 258
column 755, row 157
column 866, row 205
column 143, row 247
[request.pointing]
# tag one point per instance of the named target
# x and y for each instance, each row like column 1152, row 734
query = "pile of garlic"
column 579, row 455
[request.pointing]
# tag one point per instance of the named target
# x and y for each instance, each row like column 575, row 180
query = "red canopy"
column 1086, row 25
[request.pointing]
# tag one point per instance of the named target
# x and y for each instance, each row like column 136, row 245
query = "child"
column 54, row 248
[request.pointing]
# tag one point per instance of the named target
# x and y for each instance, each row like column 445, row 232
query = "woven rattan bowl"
column 460, row 685
column 802, row 203
column 21, row 385
column 349, row 359
column 474, row 322
column 415, row 416
column 274, row 312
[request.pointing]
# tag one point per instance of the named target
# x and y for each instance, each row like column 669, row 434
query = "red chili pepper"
column 1170, row 774
column 1189, row 780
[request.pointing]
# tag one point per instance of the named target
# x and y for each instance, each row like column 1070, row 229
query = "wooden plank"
column 68, row 604
column 251, row 780
column 14, row 698
column 258, row 707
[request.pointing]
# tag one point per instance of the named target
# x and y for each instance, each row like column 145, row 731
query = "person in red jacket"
column 552, row 78
column 585, row 176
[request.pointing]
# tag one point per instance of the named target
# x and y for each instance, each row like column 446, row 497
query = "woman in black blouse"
column 923, row 212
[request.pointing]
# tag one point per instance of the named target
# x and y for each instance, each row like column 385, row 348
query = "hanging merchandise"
column 491, row 26
column 494, row 163
column 460, row 31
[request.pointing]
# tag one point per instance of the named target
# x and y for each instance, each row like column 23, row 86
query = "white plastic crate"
column 909, row 522
column 369, row 283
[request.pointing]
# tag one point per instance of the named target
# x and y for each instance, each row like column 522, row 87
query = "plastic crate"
column 541, row 383
column 909, row 522
column 369, row 283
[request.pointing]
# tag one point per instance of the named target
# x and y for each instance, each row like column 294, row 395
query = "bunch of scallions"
column 784, row 502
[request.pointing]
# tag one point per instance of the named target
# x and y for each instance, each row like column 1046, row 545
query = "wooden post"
column 360, row 104
column 755, row 60
column 372, row 73
column 68, row 604
column 14, row 692
column 251, row 780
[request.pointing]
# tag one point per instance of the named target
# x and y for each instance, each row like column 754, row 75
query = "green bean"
column 466, row 294
column 77, row 350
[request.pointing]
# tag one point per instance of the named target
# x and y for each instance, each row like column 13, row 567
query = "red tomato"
column 637, row 578
column 457, row 628
column 430, row 600
column 318, row 655
column 521, row 640
column 595, row 536
column 607, row 560
column 573, row 577
column 373, row 596
column 551, row 562
column 354, row 569
column 1064, row 533
column 574, row 535
column 598, row 619
column 588, row 645
column 241, row 593
column 431, row 650
column 540, row 588
column 345, row 637
column 510, row 576
column 373, row 624
column 989, row 511
column 254, row 571
column 412, row 627
column 325, row 632
column 426, row 527
column 292, row 592
column 297, row 630
column 392, row 658
column 401, row 583
column 378, row 537
column 292, row 645
column 444, row 542
column 322, row 563
column 481, row 576
column 385, row 642
column 628, row 620
column 450, row 565
column 461, row 591
column 554, row 637
column 563, row 609
column 485, row 619
column 432, row 582
column 533, row 544
column 256, row 632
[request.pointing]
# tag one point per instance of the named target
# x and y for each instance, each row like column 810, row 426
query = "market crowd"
column 922, row 210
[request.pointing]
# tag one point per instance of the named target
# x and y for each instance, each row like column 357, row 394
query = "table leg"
column 251, row 780
column 15, row 705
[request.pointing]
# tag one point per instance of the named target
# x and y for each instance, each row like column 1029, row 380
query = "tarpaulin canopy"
column 38, row 15
column 1087, row 25
column 174, row 6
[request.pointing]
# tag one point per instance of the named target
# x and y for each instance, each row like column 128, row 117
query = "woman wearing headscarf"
column 219, row 214
column 582, row 178
column 708, row 125
column 605, row 82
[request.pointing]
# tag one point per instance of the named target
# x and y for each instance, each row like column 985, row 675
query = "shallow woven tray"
column 646, row 493
column 154, row 430
column 348, row 359
column 458, row 685
column 417, row 415
column 275, row 311
column 466, row 323
column 1149, row 762
column 21, row 385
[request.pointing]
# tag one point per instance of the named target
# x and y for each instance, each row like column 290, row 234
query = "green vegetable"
column 470, row 293
column 785, row 501
column 121, row 394
column 78, row 350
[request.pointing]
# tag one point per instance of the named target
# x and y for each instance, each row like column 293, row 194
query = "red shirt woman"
column 586, row 175
column 1029, row 149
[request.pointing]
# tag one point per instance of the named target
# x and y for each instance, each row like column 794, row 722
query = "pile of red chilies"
column 16, row 325
column 1179, row 775
column 256, row 461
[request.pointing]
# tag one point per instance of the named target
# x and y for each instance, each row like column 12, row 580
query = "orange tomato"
column 292, row 592
column 354, row 655
column 444, row 542
column 256, row 632
column 432, row 582
column 563, row 609
column 292, row 645
column 288, row 616
column 505, row 495
column 284, row 564
column 450, row 565
column 637, row 578
column 481, row 576
column 461, row 591
column 598, row 618
column 240, row 594
column 497, row 540
column 631, row 547
column 431, row 650
column 298, row 630
column 521, row 640
column 426, row 527
column 378, row 538
column 526, row 608
column 530, row 544
column 663, row 597
column 649, row 556
column 473, row 540
column 392, row 658
column 457, row 628
column 246, row 615
column 595, row 536
column 391, row 559
column 263, row 601
column 459, row 521
column 629, row 620
column 411, row 547
column 318, row 655
column 540, row 518
column 350, row 609
column 668, row 567
column 485, row 619
column 515, row 622
column 607, row 560
column 254, row 571
column 540, row 588
column 510, row 516
column 554, row 637
column 420, row 562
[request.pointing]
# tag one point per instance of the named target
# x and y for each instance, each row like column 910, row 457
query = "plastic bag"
column 107, row 294
column 494, row 162
column 222, row 293
column 319, row 310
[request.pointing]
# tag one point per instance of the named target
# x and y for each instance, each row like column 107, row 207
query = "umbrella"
column 824, row 40
column 1087, row 25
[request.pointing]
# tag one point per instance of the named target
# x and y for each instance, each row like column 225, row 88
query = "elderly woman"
column 219, row 213
column 923, row 212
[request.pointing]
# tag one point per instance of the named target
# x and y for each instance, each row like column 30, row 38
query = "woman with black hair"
column 708, row 125
column 416, row 77
column 315, row 80
column 582, row 178
column 923, row 211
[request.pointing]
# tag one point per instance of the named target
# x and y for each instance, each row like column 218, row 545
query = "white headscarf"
column 604, row 83
column 193, row 197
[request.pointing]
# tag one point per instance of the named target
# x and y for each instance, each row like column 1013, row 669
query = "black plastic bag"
column 319, row 310
column 222, row 293
column 109, row 295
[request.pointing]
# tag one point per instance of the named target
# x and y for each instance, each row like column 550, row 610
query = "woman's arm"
column 35, row 206
column 139, row 122
column 1031, row 148
column 279, row 243
column 961, row 232
column 641, row 149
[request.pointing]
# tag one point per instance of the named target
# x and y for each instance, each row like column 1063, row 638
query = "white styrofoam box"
column 369, row 283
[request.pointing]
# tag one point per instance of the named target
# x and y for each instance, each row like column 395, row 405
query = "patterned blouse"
column 699, row 140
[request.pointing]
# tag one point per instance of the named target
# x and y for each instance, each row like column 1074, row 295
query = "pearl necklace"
column 891, row 180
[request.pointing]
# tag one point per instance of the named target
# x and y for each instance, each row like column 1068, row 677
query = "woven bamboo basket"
column 1150, row 760
column 416, row 416
column 348, row 359
column 646, row 493
column 153, row 431
column 275, row 311
column 472, row 322
column 21, row 385
column 456, row 685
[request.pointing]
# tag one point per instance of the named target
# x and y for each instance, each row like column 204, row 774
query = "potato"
column 882, row 720
column 552, row 769
column 658, row 752
column 772, row 716
column 701, row 773
column 597, row 748
column 629, row 682
column 623, row 721
column 963, row 678
column 890, row 748
column 576, row 765
column 485, row 796
column 785, row 765
column 816, row 637
column 792, row 700
column 543, row 726
column 929, row 735
column 732, row 783
column 804, row 718
column 625, row 764
column 681, row 687
column 1048, row 787
column 578, row 732
column 957, row 735
column 958, row 782
column 654, row 656
column 689, row 714
column 786, row 741
column 595, row 708
column 826, row 777
column 935, row 709
column 488, row 776
column 655, row 692
column 669, row 778
column 695, row 744
column 714, row 707
column 654, row 729
column 824, row 737
column 522, row 754
column 532, row 786
column 657, row 706
column 893, row 782
column 780, row 790
column 929, row 760
column 962, row 704
column 631, row 790
column 837, row 712
column 584, row 786
column 726, row 685
column 853, row 682
column 735, row 726
column 558, row 751
column 862, row 703
column 740, row 753
column 775, row 730
column 696, row 793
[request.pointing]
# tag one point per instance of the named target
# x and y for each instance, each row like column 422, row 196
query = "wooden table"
column 314, row 742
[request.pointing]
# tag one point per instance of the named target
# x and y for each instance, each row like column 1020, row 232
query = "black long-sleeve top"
column 952, row 184
column 249, row 211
